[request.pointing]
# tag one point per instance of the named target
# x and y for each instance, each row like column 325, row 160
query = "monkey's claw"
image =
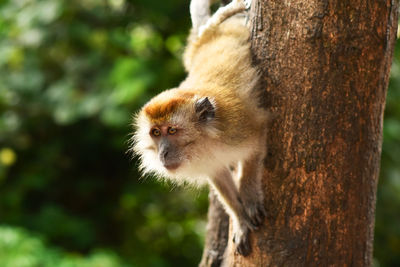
column 242, row 242
column 256, row 214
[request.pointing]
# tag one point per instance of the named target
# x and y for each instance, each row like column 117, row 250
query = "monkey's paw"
column 241, row 240
column 256, row 213
column 247, row 3
column 241, row 3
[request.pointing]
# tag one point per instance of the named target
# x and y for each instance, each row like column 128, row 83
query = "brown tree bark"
column 217, row 233
column 326, row 66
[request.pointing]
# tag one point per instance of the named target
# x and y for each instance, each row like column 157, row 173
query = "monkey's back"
column 219, row 64
column 220, row 54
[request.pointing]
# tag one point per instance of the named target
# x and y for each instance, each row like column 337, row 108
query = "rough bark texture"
column 326, row 67
column 217, row 233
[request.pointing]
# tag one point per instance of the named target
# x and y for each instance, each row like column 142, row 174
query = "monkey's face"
column 170, row 141
column 175, row 141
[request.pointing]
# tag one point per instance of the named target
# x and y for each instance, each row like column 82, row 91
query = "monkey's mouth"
column 172, row 166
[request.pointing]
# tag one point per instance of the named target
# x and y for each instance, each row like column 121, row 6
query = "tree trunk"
column 326, row 67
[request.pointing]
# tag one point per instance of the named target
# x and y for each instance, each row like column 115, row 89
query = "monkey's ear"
column 205, row 110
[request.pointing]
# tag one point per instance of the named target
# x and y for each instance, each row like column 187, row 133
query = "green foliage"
column 387, row 224
column 71, row 74
column 19, row 248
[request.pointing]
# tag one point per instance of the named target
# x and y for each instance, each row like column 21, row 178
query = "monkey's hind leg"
column 223, row 13
column 199, row 12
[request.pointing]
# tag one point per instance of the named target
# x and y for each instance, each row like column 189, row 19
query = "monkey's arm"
column 250, row 188
column 228, row 194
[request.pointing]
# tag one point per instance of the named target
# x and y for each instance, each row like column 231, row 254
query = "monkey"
column 211, row 129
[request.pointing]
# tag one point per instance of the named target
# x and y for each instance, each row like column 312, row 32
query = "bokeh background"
column 72, row 73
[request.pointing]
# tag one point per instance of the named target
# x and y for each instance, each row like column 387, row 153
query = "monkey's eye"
column 171, row 130
column 155, row 132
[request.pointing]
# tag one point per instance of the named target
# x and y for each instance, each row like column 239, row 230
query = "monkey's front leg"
column 249, row 175
column 228, row 194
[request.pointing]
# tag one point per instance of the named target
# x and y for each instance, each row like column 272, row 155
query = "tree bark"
column 326, row 67
column 217, row 233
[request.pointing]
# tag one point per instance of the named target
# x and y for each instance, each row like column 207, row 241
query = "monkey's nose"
column 168, row 160
column 163, row 156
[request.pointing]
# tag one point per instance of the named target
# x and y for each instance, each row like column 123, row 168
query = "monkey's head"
column 173, row 134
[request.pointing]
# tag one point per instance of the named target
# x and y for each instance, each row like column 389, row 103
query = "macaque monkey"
column 211, row 128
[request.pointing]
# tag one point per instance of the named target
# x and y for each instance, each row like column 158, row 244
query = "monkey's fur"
column 211, row 128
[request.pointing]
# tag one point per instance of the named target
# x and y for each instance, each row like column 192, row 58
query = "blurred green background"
column 72, row 72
